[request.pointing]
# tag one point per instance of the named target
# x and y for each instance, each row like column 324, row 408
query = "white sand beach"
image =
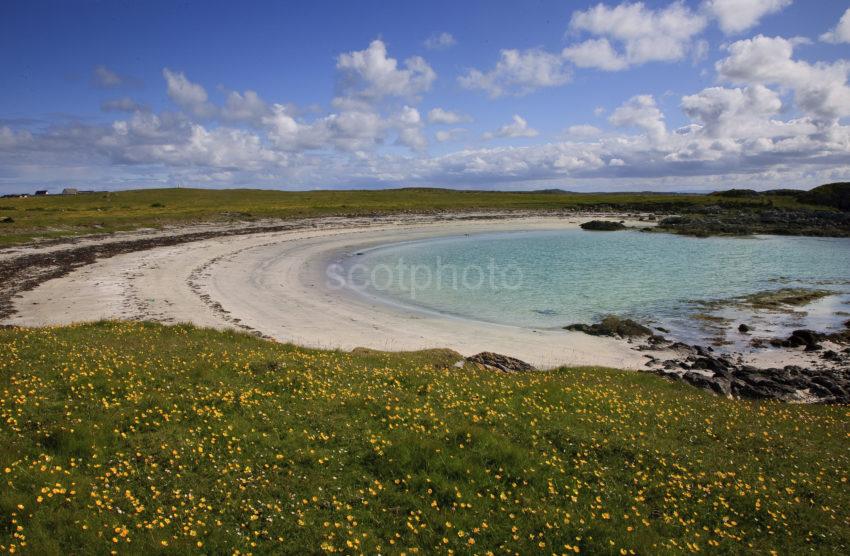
column 275, row 284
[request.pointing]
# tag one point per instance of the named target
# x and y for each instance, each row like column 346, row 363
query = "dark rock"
column 710, row 363
column 813, row 347
column 790, row 383
column 703, row 351
column 807, row 337
column 495, row 362
column 602, row 226
column 7, row 220
column 830, row 355
column 743, row 328
column 681, row 347
column 718, row 385
column 612, row 326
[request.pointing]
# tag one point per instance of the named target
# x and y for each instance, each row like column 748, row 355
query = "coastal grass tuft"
column 143, row 438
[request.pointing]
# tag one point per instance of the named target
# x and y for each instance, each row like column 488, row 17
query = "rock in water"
column 487, row 360
column 743, row 329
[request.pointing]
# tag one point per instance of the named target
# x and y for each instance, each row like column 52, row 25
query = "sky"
column 694, row 95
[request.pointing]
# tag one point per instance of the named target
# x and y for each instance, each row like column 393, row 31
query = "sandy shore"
column 275, row 284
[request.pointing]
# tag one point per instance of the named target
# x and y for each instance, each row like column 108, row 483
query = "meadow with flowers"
column 141, row 438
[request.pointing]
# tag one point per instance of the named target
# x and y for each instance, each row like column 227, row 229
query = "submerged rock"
column 490, row 361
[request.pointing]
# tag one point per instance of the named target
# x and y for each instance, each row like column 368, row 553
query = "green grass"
column 68, row 215
column 151, row 439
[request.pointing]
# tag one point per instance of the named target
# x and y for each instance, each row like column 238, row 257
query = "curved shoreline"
column 272, row 283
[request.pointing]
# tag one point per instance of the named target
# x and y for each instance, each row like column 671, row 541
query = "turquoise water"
column 550, row 279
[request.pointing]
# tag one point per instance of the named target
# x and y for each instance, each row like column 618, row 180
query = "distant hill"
column 836, row 195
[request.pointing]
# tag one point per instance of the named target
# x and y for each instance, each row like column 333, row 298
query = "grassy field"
column 67, row 215
column 150, row 439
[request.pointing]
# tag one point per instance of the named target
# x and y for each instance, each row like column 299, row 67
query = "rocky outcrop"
column 717, row 220
column 810, row 340
column 722, row 377
column 490, row 361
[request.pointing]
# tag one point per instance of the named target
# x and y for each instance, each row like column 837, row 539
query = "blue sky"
column 488, row 95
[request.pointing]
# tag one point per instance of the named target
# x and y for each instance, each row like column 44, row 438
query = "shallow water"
column 550, row 279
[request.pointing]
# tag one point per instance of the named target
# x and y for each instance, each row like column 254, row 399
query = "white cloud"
column 348, row 131
column 440, row 116
column 244, row 107
column 106, row 78
column 583, row 131
column 595, row 53
column 841, row 32
column 187, row 95
column 517, row 128
column 645, row 35
column 440, row 41
column 371, row 74
column 742, row 132
column 124, row 104
column 453, row 134
column 819, row 89
column 409, row 127
column 735, row 16
column 518, row 73
column 732, row 112
column 640, row 111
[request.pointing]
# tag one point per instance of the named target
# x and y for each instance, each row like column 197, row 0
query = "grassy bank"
column 151, row 439
column 68, row 215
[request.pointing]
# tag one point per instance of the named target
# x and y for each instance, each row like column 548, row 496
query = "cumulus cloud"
column 441, row 116
column 820, row 89
column 595, row 53
column 641, row 112
column 440, row 41
column 409, row 127
column 642, row 35
column 518, row 73
column 725, row 113
column 735, row 16
column 372, row 74
column 743, row 131
column 244, row 107
column 187, row 95
column 841, row 32
column 348, row 131
column 517, row 128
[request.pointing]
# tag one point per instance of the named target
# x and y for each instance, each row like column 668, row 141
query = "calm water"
column 550, row 279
